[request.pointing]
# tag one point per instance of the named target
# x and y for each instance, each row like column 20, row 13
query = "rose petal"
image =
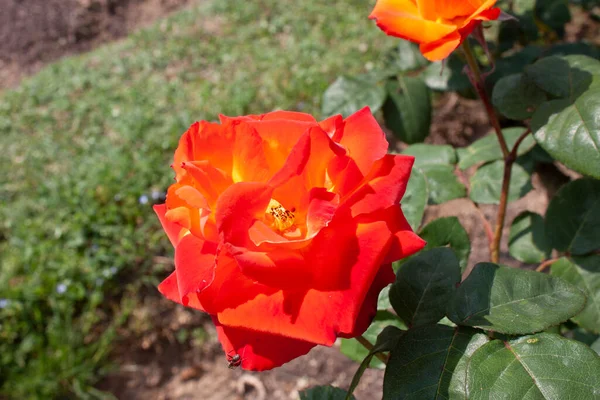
column 485, row 12
column 364, row 139
column 249, row 160
column 180, row 206
column 332, row 125
column 319, row 316
column 451, row 9
column 210, row 181
column 195, row 262
column 280, row 268
column 282, row 115
column 309, row 158
column 238, row 207
column 171, row 229
column 441, row 49
column 401, row 18
column 259, row 351
column 383, row 186
column 170, row 290
column 205, row 141
column 260, row 233
column 344, row 175
column 230, row 287
column 404, row 241
column 368, row 310
column 321, row 209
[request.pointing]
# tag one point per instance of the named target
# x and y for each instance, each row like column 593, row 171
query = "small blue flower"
column 108, row 272
column 143, row 199
column 155, row 195
column 61, row 288
column 4, row 303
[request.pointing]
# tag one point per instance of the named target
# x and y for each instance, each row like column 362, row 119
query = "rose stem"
column 546, row 264
column 508, row 156
column 369, row 346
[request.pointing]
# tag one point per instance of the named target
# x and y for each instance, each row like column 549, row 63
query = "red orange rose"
column 438, row 26
column 285, row 229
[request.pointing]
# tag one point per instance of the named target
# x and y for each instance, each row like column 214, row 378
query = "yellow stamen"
column 280, row 218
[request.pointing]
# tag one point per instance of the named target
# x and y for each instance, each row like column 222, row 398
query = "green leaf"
column 386, row 341
column 488, row 149
column 427, row 154
column 513, row 301
column 570, row 131
column 585, row 63
column 349, row 94
column 323, row 393
column 557, row 77
column 577, row 48
column 573, row 217
column 596, row 346
column 578, row 333
column 443, row 184
column 407, row 112
column 515, row 63
column 448, row 231
column 527, row 241
column 404, row 58
column 383, row 301
column 583, row 272
column 356, row 351
column 539, row 155
column 446, row 75
column 430, row 362
column 415, row 198
column 424, row 285
column 517, row 97
column 553, row 14
column 542, row 366
column 567, row 128
column 486, row 183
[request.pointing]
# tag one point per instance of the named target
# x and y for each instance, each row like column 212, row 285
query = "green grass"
column 88, row 139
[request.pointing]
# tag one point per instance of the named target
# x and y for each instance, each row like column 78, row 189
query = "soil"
column 163, row 365
column 34, row 33
column 160, row 367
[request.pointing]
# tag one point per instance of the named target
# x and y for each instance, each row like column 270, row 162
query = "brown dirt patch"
column 36, row 32
column 153, row 363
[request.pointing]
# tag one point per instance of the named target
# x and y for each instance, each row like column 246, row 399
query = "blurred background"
column 94, row 95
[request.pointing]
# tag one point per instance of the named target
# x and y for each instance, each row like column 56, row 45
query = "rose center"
column 279, row 218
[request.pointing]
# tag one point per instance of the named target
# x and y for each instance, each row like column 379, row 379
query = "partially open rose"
column 285, row 229
column 438, row 26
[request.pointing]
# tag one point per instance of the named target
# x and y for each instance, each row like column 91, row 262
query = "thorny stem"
column 508, row 156
column 369, row 346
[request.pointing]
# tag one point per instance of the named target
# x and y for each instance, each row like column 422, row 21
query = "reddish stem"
column 369, row 346
column 508, row 156
column 546, row 264
column 479, row 85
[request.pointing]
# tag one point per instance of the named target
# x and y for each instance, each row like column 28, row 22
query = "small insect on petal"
column 233, row 361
